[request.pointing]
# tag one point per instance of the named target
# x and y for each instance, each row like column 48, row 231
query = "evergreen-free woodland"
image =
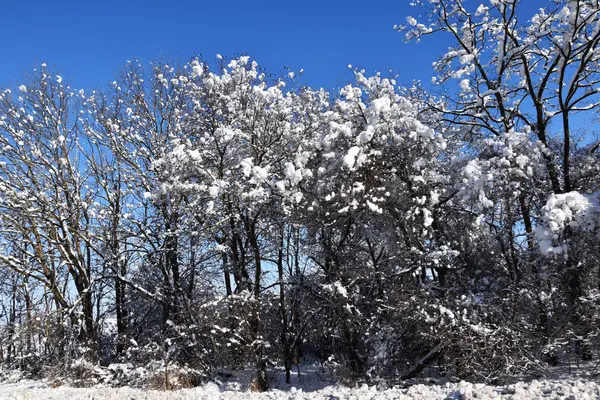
column 198, row 220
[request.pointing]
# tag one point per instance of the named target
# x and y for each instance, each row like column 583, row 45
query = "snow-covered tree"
column 518, row 85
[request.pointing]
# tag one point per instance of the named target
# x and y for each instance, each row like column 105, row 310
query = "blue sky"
column 89, row 41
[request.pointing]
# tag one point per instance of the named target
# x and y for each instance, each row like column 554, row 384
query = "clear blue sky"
column 88, row 41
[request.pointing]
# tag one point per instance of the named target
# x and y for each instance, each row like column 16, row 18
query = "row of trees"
column 214, row 219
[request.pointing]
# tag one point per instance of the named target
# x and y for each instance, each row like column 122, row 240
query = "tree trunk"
column 261, row 381
column 285, row 345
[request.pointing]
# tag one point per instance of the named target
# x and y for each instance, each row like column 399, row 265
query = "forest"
column 195, row 219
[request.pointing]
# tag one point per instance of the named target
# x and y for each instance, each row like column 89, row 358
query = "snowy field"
column 563, row 389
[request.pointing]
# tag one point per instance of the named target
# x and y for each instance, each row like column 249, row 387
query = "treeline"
column 205, row 220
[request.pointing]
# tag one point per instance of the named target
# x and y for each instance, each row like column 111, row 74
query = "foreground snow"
column 570, row 389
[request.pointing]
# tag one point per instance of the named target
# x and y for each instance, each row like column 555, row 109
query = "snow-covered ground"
column 566, row 381
column 563, row 389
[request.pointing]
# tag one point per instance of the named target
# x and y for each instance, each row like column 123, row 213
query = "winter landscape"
column 212, row 227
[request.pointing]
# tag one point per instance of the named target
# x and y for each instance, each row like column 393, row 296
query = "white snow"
column 568, row 209
column 411, row 21
column 350, row 157
column 465, row 85
column 576, row 389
